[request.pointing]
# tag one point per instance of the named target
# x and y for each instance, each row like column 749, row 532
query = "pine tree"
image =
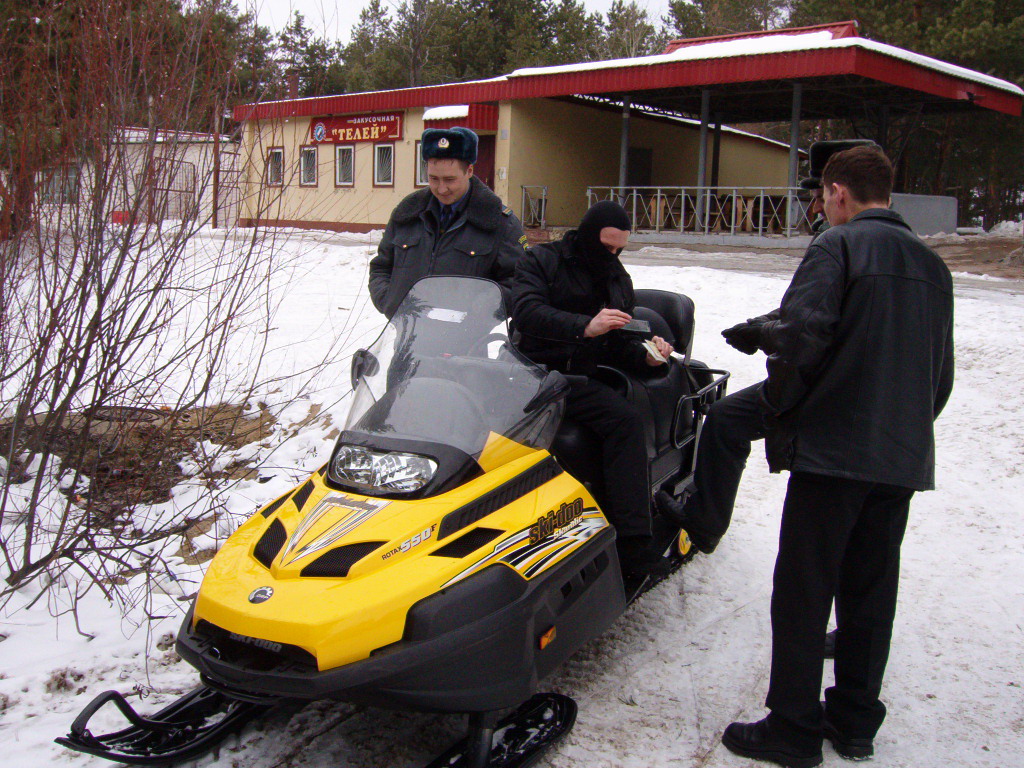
column 316, row 62
column 629, row 32
column 979, row 159
column 699, row 18
column 575, row 34
column 371, row 57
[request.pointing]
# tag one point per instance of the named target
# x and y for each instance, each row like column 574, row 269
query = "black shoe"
column 830, row 644
column 675, row 512
column 638, row 559
column 847, row 747
column 757, row 740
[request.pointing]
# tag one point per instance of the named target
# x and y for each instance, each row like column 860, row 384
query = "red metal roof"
column 845, row 62
column 481, row 117
column 838, row 29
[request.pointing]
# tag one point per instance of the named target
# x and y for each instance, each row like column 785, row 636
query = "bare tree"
column 120, row 320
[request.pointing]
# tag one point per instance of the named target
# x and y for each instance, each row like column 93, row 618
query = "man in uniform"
column 457, row 226
column 571, row 297
column 738, row 419
column 861, row 365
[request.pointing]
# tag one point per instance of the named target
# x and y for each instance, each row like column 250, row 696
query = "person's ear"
column 469, row 170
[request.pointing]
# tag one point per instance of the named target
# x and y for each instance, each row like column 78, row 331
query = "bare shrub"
column 121, row 314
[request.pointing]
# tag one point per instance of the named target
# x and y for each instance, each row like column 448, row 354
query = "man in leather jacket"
column 862, row 364
column 456, row 226
column 570, row 299
column 738, row 419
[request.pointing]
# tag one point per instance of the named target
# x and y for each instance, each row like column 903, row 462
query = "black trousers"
column 627, row 497
column 731, row 425
column 840, row 538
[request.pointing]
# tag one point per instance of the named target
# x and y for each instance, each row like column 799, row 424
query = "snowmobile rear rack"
column 187, row 728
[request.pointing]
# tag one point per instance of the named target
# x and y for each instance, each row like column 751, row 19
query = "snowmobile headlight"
column 367, row 469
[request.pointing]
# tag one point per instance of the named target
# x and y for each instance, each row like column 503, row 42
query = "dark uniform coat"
column 485, row 240
column 863, row 356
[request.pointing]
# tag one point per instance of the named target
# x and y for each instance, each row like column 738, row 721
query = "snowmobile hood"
column 334, row 574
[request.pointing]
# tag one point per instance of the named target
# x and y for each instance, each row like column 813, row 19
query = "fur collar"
column 483, row 209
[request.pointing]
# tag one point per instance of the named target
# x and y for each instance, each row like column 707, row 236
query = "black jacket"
column 556, row 293
column 864, row 356
column 484, row 241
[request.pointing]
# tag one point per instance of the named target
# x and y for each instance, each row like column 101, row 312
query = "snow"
column 446, row 113
column 1008, row 229
column 768, row 44
column 692, row 655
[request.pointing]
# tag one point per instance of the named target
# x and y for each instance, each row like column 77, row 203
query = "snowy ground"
column 689, row 657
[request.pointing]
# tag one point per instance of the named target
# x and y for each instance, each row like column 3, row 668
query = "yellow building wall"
column 540, row 142
column 568, row 147
column 362, row 204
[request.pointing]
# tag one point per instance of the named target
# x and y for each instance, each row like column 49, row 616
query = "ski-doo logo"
column 267, row 645
column 261, row 594
column 565, row 515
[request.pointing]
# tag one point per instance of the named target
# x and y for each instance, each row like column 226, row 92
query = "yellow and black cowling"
column 442, row 560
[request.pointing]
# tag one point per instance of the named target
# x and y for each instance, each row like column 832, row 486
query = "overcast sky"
column 335, row 18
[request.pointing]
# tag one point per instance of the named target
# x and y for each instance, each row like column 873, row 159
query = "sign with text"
column 352, row 128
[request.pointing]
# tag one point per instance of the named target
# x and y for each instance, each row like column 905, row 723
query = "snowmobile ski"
column 187, row 728
column 517, row 741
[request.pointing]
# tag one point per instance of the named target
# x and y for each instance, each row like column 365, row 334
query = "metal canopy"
column 824, row 98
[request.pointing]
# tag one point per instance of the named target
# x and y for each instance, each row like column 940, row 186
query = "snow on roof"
column 781, row 43
column 446, row 113
column 133, row 135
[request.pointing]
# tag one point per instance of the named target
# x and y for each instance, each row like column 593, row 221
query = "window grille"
column 344, row 166
column 307, row 167
column 384, row 165
column 275, row 167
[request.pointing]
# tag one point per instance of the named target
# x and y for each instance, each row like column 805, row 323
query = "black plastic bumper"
column 491, row 663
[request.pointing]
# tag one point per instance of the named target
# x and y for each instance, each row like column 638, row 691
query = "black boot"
column 638, row 559
column 675, row 513
column 847, row 747
column 759, row 741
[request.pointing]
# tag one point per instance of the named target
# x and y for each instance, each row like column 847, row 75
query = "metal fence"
column 711, row 210
column 535, row 207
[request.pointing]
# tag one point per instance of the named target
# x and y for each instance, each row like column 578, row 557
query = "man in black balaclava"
column 569, row 299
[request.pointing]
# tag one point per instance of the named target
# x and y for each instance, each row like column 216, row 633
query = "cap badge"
column 443, row 143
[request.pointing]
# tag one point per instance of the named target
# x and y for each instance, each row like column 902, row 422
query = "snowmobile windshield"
column 441, row 395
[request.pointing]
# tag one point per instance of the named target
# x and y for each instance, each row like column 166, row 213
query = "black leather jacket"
column 556, row 293
column 484, row 241
column 863, row 359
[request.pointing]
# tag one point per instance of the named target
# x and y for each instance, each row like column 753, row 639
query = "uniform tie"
column 447, row 214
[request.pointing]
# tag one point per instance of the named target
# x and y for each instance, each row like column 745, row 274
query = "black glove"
column 746, row 337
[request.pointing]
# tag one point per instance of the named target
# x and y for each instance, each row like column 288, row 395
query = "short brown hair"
column 865, row 171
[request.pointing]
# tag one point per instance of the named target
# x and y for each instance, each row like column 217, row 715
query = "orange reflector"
column 547, row 638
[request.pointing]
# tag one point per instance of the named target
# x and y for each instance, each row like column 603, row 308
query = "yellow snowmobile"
column 450, row 555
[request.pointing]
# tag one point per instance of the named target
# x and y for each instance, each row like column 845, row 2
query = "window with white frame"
column 275, row 166
column 384, row 165
column 421, row 167
column 307, row 166
column 58, row 186
column 344, row 165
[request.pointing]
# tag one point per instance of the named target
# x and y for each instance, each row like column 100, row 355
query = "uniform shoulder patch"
column 507, row 210
column 523, row 242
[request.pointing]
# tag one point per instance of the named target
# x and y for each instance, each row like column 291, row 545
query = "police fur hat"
column 456, row 143
column 820, row 153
